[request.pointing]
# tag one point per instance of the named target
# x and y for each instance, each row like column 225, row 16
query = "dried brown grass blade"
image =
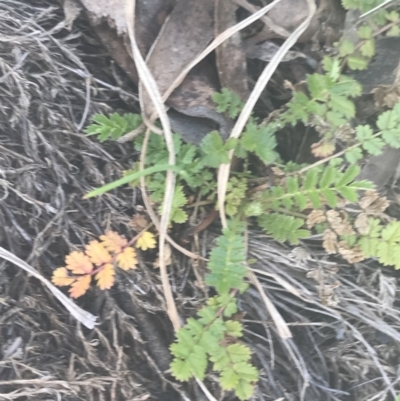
column 215, row 43
column 150, row 85
column 282, row 327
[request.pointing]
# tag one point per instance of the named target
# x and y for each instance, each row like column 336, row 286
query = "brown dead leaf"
column 113, row 242
column 315, row 217
column 373, row 204
column 61, row 277
column 339, row 223
column 316, row 274
column 230, row 57
column 106, row 277
column 369, row 198
column 78, row 263
column 167, row 257
column 323, row 274
column 352, row 255
column 277, row 171
column 361, row 223
column 97, row 253
column 127, row 259
column 328, row 295
column 80, row 286
column 386, row 96
column 327, row 283
column 322, row 149
column 185, row 34
column 139, row 222
column 288, row 15
column 330, row 241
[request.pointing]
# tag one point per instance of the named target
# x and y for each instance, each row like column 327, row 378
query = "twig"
column 267, row 21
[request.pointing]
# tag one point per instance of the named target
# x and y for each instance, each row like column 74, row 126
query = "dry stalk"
column 152, row 89
column 224, row 169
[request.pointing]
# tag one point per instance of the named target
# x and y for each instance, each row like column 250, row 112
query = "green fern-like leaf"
column 318, row 187
column 228, row 101
column 283, row 228
column 357, row 62
column 329, row 100
column 332, row 66
column 236, row 371
column 261, row 141
column 114, row 126
column 157, row 152
column 190, row 350
column 235, row 193
column 178, row 215
column 215, row 150
column 389, row 124
column 297, row 109
column 204, row 340
column 226, row 264
column 382, row 242
column 370, row 142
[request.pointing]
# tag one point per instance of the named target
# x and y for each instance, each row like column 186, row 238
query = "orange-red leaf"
column 127, row 259
column 113, row 241
column 105, row 277
column 78, row 263
column 80, row 286
column 97, row 253
column 146, row 241
column 61, row 277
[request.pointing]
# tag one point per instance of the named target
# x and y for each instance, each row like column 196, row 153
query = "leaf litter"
column 44, row 162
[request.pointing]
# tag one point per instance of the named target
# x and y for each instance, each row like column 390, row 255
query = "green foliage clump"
column 382, row 242
column 372, row 143
column 328, row 104
column 212, row 338
column 357, row 55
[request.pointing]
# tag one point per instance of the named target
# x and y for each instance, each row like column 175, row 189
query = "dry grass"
column 50, row 81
